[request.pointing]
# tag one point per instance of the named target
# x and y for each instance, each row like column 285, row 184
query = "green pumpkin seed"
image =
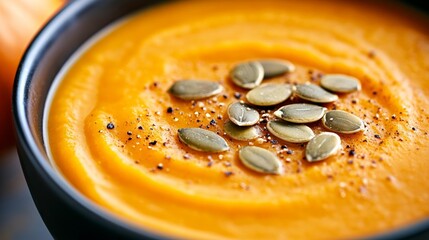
column 290, row 132
column 247, row 75
column 202, row 140
column 300, row 113
column 194, row 89
column 340, row 83
column 260, row 160
column 342, row 122
column 242, row 133
column 269, row 94
column 275, row 67
column 322, row 146
column 242, row 114
column 314, row 93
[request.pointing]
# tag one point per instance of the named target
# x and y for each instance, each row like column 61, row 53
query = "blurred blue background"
column 19, row 218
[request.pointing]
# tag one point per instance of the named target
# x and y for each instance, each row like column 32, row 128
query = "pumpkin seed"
column 260, row 160
column 242, row 114
column 269, row 94
column 315, row 93
column 195, row 89
column 242, row 133
column 322, row 146
column 340, row 83
column 275, row 67
column 202, row 140
column 247, row 75
column 342, row 122
column 290, row 132
column 300, row 113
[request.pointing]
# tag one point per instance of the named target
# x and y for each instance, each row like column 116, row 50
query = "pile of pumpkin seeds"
column 290, row 125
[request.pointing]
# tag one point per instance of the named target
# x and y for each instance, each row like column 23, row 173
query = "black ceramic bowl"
column 66, row 212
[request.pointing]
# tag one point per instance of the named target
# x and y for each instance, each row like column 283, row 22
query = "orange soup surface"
column 112, row 126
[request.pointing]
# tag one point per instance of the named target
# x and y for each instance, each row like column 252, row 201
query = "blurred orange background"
column 20, row 20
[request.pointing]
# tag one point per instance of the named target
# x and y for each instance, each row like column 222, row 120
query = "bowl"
column 66, row 212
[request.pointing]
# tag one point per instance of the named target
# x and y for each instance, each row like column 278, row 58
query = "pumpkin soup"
column 251, row 119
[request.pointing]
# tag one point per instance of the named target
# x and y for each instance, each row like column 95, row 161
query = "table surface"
column 19, row 218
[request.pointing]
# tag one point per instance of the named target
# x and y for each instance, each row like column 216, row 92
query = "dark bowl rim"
column 70, row 195
column 23, row 77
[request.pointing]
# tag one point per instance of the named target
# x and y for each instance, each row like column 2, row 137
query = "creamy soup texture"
column 112, row 127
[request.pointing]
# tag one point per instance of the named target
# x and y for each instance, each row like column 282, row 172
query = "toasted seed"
column 202, row 140
column 290, row 132
column 340, row 83
column 300, row 113
column 314, row 93
column 342, row 122
column 248, row 74
column 195, row 89
column 242, row 133
column 276, row 67
column 269, row 94
column 260, row 160
column 242, row 114
column 322, row 146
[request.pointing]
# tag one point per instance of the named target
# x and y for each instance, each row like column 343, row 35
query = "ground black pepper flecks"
column 110, row 126
column 160, row 166
column 237, row 95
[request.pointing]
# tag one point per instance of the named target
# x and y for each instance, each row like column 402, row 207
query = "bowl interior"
column 46, row 56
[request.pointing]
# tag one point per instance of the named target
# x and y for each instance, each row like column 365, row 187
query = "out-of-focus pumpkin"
column 19, row 22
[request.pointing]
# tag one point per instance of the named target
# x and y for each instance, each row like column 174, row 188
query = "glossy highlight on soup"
column 112, row 126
